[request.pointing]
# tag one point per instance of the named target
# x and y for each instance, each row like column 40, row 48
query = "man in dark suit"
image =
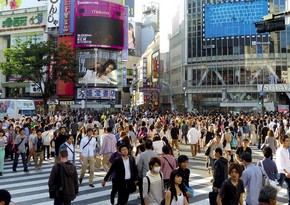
column 126, row 175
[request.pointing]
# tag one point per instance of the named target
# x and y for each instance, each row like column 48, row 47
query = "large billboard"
column 99, row 24
column 98, row 66
column 234, row 18
column 6, row 5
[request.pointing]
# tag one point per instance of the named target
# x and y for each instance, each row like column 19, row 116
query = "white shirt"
column 88, row 151
column 46, row 137
column 70, row 150
column 193, row 135
column 127, row 168
column 282, row 160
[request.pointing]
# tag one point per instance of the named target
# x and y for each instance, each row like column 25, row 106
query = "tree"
column 42, row 63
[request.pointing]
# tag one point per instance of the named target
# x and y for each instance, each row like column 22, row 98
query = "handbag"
column 15, row 146
column 190, row 190
column 269, row 182
column 264, row 145
column 207, row 151
column 212, row 196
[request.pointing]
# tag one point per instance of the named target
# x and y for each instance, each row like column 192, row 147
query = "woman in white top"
column 158, row 144
column 165, row 132
column 175, row 194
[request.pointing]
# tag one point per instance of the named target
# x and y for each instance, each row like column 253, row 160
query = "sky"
column 167, row 10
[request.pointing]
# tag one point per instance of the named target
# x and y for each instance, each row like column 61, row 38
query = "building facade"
column 219, row 62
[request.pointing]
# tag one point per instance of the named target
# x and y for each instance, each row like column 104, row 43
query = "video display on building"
column 98, row 66
column 234, row 18
column 99, row 24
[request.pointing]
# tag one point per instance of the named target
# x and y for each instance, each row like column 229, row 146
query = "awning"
column 15, row 84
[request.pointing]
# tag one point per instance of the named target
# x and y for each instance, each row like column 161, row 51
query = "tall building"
column 219, row 62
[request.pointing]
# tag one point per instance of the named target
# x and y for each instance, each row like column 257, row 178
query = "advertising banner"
column 66, row 19
column 97, row 93
column 125, row 49
column 98, row 66
column 144, row 72
column 6, row 5
column 131, row 35
column 155, row 67
column 53, row 13
column 99, row 24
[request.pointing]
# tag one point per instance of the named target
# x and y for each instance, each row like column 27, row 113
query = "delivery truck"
column 17, row 108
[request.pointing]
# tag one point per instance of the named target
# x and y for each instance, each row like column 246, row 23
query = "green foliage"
column 40, row 62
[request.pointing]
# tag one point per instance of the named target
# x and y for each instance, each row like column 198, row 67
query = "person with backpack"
column 153, row 186
column 63, row 181
column 176, row 194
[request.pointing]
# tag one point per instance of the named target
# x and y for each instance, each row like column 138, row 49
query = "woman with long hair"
column 175, row 195
column 81, row 133
column 271, row 141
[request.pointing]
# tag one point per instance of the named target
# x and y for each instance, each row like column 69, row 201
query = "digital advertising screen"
column 234, row 18
column 99, row 24
column 98, row 66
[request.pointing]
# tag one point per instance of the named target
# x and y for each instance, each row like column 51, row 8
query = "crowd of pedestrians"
column 142, row 152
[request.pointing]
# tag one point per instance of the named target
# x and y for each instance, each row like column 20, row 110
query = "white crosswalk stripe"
column 31, row 188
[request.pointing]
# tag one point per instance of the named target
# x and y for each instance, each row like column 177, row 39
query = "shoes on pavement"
column 91, row 185
column 0, row 173
column 26, row 170
column 14, row 170
column 80, row 180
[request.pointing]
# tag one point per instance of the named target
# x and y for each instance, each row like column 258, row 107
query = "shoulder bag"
column 267, row 181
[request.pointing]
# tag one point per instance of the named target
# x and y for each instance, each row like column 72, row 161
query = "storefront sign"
column 16, row 22
column 274, row 88
column 96, row 93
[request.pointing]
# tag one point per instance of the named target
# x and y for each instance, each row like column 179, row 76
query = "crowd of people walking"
column 143, row 153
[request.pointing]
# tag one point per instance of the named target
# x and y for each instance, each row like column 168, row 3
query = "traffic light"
column 277, row 24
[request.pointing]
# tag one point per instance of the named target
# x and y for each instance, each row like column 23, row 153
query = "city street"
column 32, row 189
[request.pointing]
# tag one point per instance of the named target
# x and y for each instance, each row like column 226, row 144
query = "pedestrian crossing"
column 31, row 188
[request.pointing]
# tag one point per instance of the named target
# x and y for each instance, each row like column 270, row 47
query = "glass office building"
column 219, row 62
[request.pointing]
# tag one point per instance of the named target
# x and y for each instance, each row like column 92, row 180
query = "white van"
column 16, row 108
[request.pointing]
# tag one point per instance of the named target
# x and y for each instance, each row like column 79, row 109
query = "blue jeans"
column 281, row 179
column 23, row 157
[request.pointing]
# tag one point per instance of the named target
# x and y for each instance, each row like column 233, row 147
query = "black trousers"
column 47, row 148
column 123, row 192
column 140, row 184
column 114, row 191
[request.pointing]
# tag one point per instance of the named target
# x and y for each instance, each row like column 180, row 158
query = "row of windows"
column 239, row 75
